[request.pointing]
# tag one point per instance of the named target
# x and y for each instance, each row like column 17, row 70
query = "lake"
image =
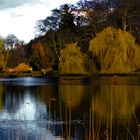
column 71, row 108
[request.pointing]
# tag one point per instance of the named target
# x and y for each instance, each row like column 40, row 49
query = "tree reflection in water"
column 97, row 110
column 1, row 96
column 114, row 108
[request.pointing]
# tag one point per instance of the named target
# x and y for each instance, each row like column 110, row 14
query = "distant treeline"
column 91, row 36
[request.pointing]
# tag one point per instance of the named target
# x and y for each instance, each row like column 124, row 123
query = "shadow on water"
column 70, row 108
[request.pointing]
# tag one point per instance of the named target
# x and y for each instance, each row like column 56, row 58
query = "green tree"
column 49, row 23
column 116, row 51
column 61, row 18
column 72, row 60
column 67, row 17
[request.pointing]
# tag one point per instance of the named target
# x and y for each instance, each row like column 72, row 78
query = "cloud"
column 4, row 4
column 19, row 17
column 21, row 21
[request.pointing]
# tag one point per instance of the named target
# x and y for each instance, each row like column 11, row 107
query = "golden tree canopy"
column 2, row 59
column 72, row 60
column 1, row 43
column 22, row 67
column 116, row 51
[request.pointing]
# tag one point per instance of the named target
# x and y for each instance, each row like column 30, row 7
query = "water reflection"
column 22, row 115
column 48, row 110
column 1, row 96
column 120, row 99
column 71, row 95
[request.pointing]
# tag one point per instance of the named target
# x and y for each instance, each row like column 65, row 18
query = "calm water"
column 75, row 108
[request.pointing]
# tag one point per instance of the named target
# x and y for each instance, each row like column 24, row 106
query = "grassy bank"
column 57, row 74
column 12, row 75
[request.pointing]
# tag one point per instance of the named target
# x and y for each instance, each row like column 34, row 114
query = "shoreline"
column 56, row 74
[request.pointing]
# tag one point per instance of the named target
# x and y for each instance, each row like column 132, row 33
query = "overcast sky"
column 19, row 16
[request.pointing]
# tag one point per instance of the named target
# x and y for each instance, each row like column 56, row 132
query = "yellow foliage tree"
column 116, row 51
column 2, row 58
column 22, row 67
column 72, row 60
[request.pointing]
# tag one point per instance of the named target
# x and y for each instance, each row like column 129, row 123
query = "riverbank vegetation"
column 89, row 37
column 72, row 60
column 115, row 51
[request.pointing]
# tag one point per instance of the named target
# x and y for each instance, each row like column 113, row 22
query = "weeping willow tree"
column 2, row 55
column 115, row 51
column 72, row 60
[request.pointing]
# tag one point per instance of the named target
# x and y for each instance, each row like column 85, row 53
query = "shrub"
column 116, row 51
column 72, row 60
column 22, row 67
